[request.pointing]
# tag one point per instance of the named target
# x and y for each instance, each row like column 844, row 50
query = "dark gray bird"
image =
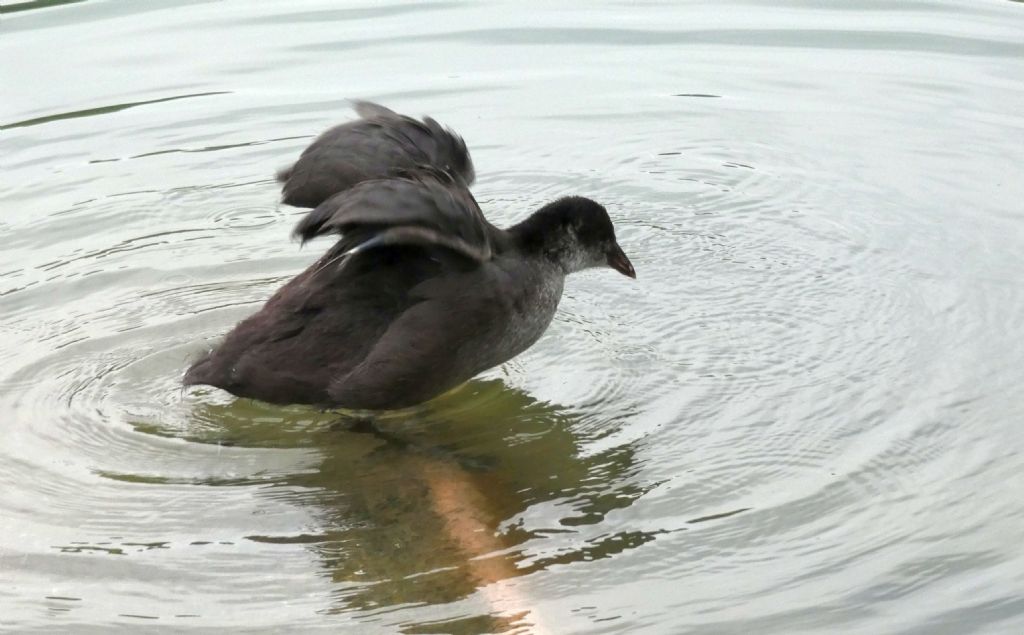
column 420, row 292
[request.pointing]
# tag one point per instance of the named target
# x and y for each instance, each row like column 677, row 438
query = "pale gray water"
column 803, row 417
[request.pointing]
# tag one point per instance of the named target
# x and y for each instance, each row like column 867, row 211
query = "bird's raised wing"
column 374, row 146
column 427, row 207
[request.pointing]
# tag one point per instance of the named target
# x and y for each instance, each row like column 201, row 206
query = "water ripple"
column 800, row 417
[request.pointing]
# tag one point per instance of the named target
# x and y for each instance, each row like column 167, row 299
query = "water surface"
column 802, row 417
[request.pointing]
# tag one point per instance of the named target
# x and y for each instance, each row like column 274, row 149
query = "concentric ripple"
column 803, row 416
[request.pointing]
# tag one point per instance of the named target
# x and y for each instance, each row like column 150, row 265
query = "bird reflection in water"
column 435, row 504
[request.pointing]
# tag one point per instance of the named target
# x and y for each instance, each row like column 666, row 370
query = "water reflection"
column 35, row 4
column 825, row 338
column 428, row 508
column 102, row 110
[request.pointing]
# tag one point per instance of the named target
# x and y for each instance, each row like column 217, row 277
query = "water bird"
column 420, row 292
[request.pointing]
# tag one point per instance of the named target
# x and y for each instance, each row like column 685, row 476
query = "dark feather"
column 419, row 292
column 426, row 207
column 371, row 147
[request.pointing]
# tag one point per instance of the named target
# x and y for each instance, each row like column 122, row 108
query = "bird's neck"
column 538, row 237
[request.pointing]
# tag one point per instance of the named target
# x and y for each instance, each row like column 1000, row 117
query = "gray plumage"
column 370, row 147
column 424, row 206
column 420, row 292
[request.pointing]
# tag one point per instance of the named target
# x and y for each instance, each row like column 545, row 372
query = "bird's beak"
column 617, row 260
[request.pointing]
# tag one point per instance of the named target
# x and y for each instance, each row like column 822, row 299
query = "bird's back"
column 318, row 326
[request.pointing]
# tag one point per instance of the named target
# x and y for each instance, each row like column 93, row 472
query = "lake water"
column 803, row 417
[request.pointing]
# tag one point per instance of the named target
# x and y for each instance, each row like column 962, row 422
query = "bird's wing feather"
column 377, row 144
column 427, row 207
column 437, row 343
